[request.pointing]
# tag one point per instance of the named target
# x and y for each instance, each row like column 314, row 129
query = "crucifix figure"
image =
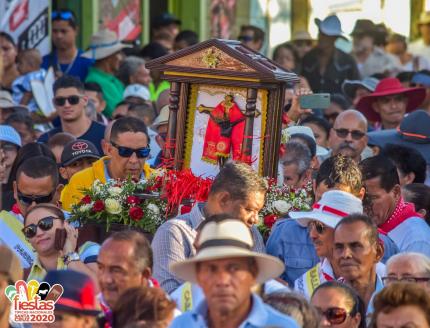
column 224, row 133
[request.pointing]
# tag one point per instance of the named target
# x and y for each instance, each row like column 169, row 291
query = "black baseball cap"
column 78, row 149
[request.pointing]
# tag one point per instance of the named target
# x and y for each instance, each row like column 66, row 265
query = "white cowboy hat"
column 104, row 44
column 223, row 240
column 162, row 118
column 331, row 209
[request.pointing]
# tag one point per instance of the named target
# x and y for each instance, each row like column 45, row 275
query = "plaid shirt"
column 173, row 242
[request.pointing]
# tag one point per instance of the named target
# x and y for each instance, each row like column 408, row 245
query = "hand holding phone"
column 296, row 111
column 71, row 240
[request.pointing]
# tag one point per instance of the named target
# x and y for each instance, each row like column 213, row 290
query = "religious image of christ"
column 224, row 133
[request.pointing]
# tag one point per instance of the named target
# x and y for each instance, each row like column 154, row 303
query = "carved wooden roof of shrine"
column 222, row 59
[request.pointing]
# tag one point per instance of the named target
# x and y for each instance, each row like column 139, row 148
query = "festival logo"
column 33, row 302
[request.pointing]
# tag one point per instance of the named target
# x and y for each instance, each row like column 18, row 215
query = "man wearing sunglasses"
column 65, row 57
column 321, row 221
column 252, row 37
column 127, row 151
column 70, row 102
column 349, row 134
column 37, row 181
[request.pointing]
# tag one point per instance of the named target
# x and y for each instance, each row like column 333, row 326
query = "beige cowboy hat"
column 104, row 44
column 162, row 118
column 227, row 239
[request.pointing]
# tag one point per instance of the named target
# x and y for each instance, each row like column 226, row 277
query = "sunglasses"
column 335, row 315
column 245, row 38
column 28, row 200
column 355, row 134
column 7, row 146
column 72, row 100
column 44, row 224
column 63, row 15
column 127, row 152
column 319, row 227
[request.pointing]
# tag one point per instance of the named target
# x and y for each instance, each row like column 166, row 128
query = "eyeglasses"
column 44, row 224
column 63, row 15
column 127, row 152
column 335, row 315
column 390, row 280
column 319, row 227
column 355, row 134
column 28, row 200
column 72, row 100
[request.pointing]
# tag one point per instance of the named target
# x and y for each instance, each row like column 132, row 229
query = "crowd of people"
column 359, row 258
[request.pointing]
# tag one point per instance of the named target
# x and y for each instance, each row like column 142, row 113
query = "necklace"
column 69, row 67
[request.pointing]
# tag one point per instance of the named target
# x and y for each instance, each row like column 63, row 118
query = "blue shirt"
column 261, row 315
column 290, row 242
column 79, row 68
column 390, row 247
column 95, row 134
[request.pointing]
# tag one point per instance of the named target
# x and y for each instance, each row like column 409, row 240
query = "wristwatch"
column 71, row 257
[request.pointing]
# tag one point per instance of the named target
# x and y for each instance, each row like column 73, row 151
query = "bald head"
column 351, row 114
column 349, row 134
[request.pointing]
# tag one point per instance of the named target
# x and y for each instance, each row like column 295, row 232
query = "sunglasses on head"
column 335, row 315
column 355, row 134
column 319, row 227
column 44, row 224
column 63, row 15
column 28, row 200
column 72, row 100
column 127, row 152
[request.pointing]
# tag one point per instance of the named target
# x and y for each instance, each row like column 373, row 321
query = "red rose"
column 269, row 220
column 86, row 199
column 133, row 200
column 136, row 213
column 98, row 206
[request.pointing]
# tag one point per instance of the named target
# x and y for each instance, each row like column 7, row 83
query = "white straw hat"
column 227, row 239
column 104, row 44
column 333, row 206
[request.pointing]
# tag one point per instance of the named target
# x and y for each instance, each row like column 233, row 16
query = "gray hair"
column 128, row 67
column 420, row 260
column 299, row 154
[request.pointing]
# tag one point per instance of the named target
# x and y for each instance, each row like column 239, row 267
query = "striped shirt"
column 173, row 242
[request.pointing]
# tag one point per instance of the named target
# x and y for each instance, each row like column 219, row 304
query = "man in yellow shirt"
column 126, row 152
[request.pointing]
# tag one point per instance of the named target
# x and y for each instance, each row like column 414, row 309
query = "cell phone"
column 60, row 239
column 315, row 101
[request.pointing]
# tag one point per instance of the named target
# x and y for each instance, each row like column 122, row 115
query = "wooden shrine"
column 226, row 101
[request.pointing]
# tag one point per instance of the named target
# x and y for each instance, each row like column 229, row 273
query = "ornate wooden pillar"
column 169, row 148
column 251, row 100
